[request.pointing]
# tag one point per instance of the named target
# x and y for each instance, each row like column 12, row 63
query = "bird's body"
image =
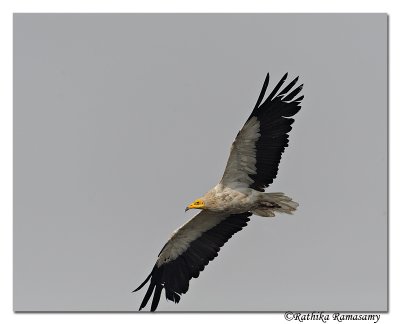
column 222, row 198
column 225, row 199
column 225, row 209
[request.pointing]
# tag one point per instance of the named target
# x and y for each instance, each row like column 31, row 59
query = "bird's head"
column 197, row 204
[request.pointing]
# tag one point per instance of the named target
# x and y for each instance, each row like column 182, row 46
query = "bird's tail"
column 272, row 202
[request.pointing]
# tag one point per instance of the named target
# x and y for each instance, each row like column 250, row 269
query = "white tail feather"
column 275, row 202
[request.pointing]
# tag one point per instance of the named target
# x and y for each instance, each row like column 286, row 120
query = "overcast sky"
column 121, row 120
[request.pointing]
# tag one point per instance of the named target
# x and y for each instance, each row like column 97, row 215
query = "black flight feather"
column 277, row 87
column 262, row 93
column 288, row 87
column 275, row 125
column 174, row 276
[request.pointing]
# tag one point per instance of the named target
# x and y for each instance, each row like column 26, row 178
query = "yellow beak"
column 197, row 204
column 191, row 206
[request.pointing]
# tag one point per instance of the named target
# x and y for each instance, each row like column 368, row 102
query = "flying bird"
column 225, row 209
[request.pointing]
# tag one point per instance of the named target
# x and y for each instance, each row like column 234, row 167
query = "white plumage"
column 242, row 159
column 190, row 231
column 252, row 166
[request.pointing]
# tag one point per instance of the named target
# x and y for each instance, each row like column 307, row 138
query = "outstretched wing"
column 189, row 250
column 258, row 147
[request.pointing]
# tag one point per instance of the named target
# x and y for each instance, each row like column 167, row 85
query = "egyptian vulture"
column 225, row 209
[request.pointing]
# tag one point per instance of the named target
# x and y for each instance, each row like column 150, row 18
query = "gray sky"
column 121, row 120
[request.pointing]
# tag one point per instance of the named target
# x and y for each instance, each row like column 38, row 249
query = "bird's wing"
column 188, row 251
column 258, row 147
